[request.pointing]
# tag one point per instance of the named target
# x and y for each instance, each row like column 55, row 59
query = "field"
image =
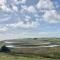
column 5, row 56
column 42, row 53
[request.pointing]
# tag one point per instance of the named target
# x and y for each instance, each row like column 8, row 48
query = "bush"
column 5, row 49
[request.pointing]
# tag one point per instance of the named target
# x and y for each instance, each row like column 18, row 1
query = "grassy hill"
column 5, row 56
column 48, row 53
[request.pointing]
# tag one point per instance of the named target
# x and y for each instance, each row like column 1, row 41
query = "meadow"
column 42, row 53
column 6, row 56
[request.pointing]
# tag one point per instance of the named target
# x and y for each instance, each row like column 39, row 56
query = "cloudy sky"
column 29, row 18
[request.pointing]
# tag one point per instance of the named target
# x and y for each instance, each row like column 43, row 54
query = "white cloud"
column 14, row 8
column 45, row 4
column 52, row 16
column 3, row 6
column 21, row 24
column 27, row 17
column 19, row 1
column 3, row 29
column 30, row 9
column 29, row 34
column 2, row 3
column 4, row 17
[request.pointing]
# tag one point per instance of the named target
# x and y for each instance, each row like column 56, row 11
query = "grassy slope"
column 4, row 56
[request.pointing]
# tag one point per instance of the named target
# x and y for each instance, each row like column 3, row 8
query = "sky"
column 29, row 18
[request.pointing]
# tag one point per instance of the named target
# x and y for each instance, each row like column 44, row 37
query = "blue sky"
column 29, row 18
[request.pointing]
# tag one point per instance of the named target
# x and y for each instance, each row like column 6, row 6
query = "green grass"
column 44, row 53
column 5, row 56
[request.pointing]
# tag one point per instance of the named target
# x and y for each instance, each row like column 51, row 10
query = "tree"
column 5, row 49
